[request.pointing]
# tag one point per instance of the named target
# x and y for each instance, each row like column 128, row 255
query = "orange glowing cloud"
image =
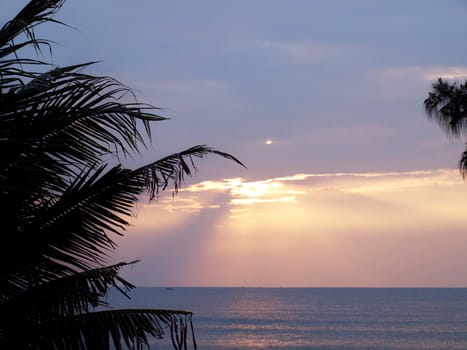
column 343, row 229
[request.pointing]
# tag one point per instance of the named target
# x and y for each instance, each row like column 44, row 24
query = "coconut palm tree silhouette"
column 62, row 202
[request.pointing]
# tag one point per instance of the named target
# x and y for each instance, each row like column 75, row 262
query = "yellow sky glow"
column 344, row 229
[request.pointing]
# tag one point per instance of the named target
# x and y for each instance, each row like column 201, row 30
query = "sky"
column 347, row 183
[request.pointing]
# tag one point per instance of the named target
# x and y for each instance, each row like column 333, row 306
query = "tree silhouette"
column 64, row 193
column 446, row 104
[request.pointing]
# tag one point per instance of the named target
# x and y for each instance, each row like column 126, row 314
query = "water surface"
column 315, row 318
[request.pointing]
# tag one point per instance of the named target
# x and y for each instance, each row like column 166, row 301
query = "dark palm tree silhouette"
column 446, row 104
column 61, row 201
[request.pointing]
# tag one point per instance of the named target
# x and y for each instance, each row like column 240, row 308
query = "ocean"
column 314, row 318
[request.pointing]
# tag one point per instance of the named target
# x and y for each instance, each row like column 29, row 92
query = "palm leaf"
column 61, row 317
column 128, row 328
column 73, row 231
column 447, row 105
column 66, row 296
column 68, row 234
column 172, row 170
column 70, row 124
column 463, row 164
column 65, row 108
column 34, row 13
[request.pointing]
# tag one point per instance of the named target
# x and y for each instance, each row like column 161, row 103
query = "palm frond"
column 123, row 328
column 446, row 104
column 64, row 297
column 57, row 315
column 60, row 122
column 34, row 13
column 72, row 231
column 76, row 117
column 172, row 170
column 131, row 327
column 463, row 164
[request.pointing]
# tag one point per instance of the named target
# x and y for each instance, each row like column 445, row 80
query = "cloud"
column 299, row 188
column 453, row 73
column 307, row 229
column 424, row 73
column 408, row 86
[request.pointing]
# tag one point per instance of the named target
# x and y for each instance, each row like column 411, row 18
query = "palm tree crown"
column 446, row 104
column 62, row 201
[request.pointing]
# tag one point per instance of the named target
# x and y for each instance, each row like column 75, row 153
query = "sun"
column 268, row 142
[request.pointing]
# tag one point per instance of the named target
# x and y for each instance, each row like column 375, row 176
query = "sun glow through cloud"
column 367, row 229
